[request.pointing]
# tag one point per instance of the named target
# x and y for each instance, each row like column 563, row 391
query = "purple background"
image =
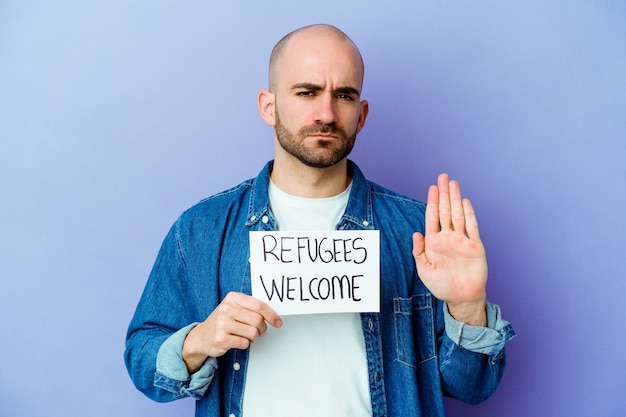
column 115, row 116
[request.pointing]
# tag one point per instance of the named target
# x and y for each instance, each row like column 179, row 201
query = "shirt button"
column 231, row 415
column 236, row 366
column 265, row 219
column 366, row 223
column 370, row 324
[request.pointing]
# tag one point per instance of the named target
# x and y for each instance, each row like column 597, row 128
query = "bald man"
column 197, row 331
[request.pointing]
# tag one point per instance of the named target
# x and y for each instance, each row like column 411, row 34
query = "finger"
column 418, row 244
column 257, row 306
column 456, row 207
column 471, row 223
column 431, row 217
column 246, row 331
column 221, row 331
column 233, row 335
column 270, row 316
column 253, row 323
column 445, row 217
column 419, row 247
column 237, row 316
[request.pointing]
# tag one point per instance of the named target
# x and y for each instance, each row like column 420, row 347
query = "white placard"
column 316, row 272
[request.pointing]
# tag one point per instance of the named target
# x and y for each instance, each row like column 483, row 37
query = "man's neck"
column 301, row 180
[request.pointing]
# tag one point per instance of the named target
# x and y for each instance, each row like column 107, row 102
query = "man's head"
column 315, row 80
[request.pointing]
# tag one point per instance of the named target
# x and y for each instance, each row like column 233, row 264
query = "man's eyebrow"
column 348, row 90
column 306, row 86
column 316, row 87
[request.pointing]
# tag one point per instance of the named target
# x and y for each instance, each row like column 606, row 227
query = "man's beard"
column 326, row 153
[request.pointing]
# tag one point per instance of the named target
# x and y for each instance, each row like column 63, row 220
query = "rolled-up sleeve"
column 488, row 340
column 171, row 371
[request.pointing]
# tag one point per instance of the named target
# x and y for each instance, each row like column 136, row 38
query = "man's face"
column 317, row 145
column 318, row 111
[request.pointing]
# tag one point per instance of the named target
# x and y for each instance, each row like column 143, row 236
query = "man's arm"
column 167, row 311
column 450, row 257
column 452, row 263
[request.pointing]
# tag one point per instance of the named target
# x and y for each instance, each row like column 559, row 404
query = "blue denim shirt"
column 416, row 352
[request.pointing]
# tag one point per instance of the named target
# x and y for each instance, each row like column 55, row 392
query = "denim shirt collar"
column 358, row 214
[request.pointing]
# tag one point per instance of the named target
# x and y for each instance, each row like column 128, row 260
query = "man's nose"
column 325, row 111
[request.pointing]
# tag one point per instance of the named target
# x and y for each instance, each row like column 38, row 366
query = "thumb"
column 418, row 249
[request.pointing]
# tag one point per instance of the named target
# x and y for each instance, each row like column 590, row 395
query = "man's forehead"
column 313, row 52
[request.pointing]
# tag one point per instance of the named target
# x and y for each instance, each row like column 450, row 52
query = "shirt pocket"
column 414, row 329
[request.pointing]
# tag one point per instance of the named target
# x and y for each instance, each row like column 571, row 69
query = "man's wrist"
column 472, row 313
column 193, row 358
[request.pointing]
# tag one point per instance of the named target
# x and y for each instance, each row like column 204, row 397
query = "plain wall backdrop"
column 115, row 116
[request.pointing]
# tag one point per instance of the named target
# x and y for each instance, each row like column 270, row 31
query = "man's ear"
column 267, row 106
column 365, row 108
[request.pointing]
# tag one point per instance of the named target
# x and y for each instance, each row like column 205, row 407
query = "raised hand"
column 450, row 258
column 236, row 322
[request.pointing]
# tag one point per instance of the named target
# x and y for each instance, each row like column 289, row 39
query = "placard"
column 316, row 272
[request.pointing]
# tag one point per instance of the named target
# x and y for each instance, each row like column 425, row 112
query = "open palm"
column 450, row 257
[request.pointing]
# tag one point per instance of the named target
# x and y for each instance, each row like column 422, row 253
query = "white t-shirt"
column 314, row 365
